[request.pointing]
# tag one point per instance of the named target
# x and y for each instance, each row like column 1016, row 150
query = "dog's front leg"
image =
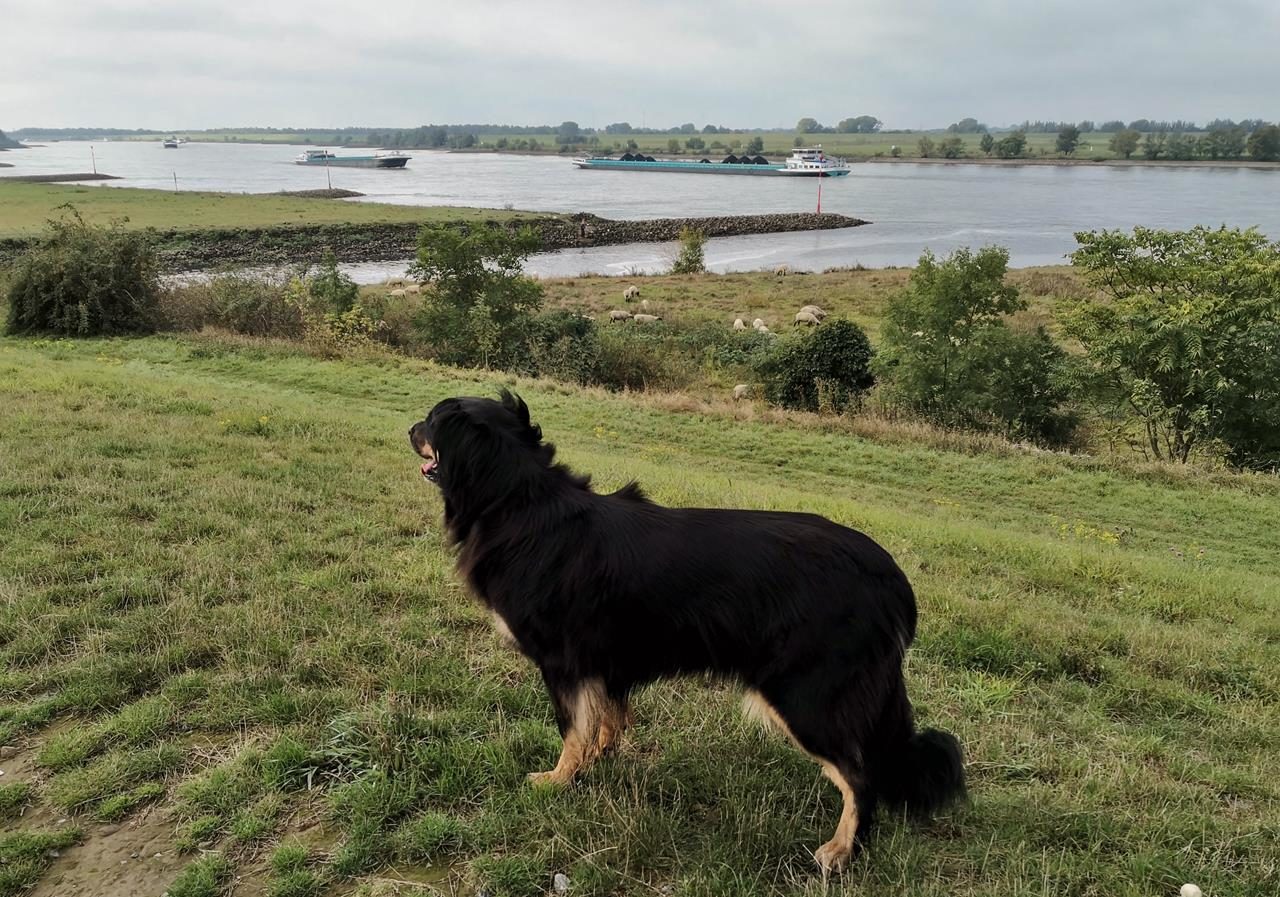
column 580, row 709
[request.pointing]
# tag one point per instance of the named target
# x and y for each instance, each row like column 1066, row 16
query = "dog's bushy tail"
column 925, row 774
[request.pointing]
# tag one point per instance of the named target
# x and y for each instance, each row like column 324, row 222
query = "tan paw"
column 833, row 856
column 551, row 779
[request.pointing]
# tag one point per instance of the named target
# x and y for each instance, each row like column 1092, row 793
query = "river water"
column 1033, row 210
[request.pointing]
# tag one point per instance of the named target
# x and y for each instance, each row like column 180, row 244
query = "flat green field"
column 225, row 595
column 24, row 209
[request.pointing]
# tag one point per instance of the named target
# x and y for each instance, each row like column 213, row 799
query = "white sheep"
column 413, row 288
column 397, row 293
column 632, row 292
column 781, row 271
column 738, row 324
column 809, row 319
column 395, row 281
column 619, row 315
column 644, row 304
column 815, row 311
column 740, row 392
column 647, row 319
column 757, row 323
column 763, row 329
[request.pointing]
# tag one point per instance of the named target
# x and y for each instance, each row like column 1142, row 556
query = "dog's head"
column 478, row 451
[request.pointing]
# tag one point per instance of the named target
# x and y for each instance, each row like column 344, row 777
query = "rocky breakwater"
column 352, row 243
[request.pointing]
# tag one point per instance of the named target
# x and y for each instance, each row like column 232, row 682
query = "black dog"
column 608, row 592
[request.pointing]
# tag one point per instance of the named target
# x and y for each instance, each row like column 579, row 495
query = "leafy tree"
column 826, row 369
column 755, row 144
column 673, row 145
column 480, row 304
column 1068, row 139
column 861, row 124
column 987, row 143
column 618, row 127
column 808, row 126
column 948, row 354
column 338, row 292
column 951, row 148
column 1187, row 338
column 1112, row 127
column 1264, row 144
column 967, row 126
column 695, row 143
column 567, row 133
column 1125, row 142
column 84, row 280
column 1179, row 147
column 1153, row 145
column 688, row 128
column 691, row 259
column 1012, row 146
column 926, row 147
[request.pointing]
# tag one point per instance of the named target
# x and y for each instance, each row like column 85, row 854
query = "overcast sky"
column 764, row 63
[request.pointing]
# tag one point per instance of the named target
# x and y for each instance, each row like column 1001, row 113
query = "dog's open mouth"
column 431, row 471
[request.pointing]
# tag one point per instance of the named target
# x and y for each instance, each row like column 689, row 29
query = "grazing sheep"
column 644, row 304
column 763, row 329
column 781, row 271
column 740, row 392
column 413, row 288
column 738, row 324
column 395, row 281
column 757, row 323
column 647, row 319
column 397, row 293
column 815, row 311
column 619, row 315
column 630, row 293
column 809, row 319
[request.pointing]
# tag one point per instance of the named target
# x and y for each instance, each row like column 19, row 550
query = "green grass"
column 24, row 209
column 265, row 621
column 24, row 856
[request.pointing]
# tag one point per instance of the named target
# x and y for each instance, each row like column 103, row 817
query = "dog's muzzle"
column 431, row 471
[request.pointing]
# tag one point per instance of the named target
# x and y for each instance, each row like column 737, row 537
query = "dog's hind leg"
column 580, row 711
column 808, row 725
column 614, row 721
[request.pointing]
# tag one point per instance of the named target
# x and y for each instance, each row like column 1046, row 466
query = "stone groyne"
column 353, row 243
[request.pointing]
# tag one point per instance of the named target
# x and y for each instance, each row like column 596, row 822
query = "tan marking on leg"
column 504, row 631
column 835, row 853
column 580, row 749
column 615, row 721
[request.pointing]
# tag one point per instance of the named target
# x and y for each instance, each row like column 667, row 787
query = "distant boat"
column 172, row 143
column 380, row 159
column 804, row 162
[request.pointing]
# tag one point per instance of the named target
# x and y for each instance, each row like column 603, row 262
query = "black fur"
column 814, row 616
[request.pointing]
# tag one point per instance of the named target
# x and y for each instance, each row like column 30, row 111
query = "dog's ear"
column 514, row 404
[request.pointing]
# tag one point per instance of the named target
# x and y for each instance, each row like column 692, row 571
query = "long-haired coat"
column 608, row 592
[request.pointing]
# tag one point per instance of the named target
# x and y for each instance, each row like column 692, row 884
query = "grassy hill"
column 228, row 619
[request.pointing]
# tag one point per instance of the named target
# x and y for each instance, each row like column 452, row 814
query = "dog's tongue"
column 428, row 468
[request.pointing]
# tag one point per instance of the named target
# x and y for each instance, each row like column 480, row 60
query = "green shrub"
column 949, row 355
column 84, row 280
column 337, row 292
column 691, row 259
column 565, row 346
column 257, row 306
column 827, row 369
column 480, row 306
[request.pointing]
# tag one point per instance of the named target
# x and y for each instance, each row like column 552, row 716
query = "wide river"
column 1033, row 210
